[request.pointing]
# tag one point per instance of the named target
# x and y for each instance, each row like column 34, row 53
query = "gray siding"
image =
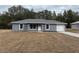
column 75, row 26
column 25, row 27
column 31, row 29
column 52, row 28
column 15, row 27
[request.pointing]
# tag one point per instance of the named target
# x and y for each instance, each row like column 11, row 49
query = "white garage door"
column 60, row 28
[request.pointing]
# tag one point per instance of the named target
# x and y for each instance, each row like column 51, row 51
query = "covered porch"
column 35, row 27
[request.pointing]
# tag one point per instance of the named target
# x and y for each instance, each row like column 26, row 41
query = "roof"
column 38, row 21
column 77, row 22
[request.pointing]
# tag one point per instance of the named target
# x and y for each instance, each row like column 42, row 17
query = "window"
column 20, row 26
column 33, row 26
column 47, row 27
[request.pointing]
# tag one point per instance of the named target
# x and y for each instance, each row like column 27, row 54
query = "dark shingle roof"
column 38, row 21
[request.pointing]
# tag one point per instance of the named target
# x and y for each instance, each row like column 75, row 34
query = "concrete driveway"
column 71, row 34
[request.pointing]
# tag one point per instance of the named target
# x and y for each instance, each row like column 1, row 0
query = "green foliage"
column 54, row 15
column 19, row 13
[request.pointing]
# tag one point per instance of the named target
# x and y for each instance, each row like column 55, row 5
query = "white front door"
column 39, row 28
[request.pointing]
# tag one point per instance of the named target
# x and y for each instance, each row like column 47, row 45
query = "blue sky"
column 57, row 8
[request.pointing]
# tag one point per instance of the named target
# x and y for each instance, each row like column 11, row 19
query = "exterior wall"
column 60, row 28
column 41, row 25
column 25, row 27
column 52, row 28
column 28, row 28
column 15, row 27
column 75, row 26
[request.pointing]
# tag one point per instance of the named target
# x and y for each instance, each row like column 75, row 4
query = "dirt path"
column 3, row 31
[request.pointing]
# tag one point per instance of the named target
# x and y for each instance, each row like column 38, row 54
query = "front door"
column 39, row 28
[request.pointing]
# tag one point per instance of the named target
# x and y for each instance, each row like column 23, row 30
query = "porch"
column 34, row 27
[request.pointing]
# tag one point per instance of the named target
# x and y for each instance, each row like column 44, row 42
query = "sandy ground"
column 19, row 42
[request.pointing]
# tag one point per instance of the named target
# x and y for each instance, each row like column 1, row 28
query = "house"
column 38, row 25
column 75, row 25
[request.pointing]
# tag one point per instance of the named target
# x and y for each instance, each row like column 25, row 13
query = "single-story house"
column 38, row 25
column 75, row 25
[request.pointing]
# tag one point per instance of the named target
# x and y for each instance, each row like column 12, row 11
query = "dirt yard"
column 37, row 42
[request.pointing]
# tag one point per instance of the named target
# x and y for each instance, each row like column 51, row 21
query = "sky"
column 57, row 8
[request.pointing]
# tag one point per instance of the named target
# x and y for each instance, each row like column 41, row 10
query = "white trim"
column 31, row 28
column 21, row 28
column 48, row 25
column 39, row 30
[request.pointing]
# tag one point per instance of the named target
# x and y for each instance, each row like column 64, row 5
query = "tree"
column 45, row 14
column 18, row 12
column 60, row 17
column 4, row 21
column 70, row 18
column 32, row 14
column 54, row 15
column 65, row 16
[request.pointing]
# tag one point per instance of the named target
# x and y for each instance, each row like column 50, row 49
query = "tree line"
column 16, row 13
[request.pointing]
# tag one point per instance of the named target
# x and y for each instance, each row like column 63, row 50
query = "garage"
column 60, row 28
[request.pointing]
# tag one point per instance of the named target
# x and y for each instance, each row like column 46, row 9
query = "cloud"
column 4, row 8
column 57, row 8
